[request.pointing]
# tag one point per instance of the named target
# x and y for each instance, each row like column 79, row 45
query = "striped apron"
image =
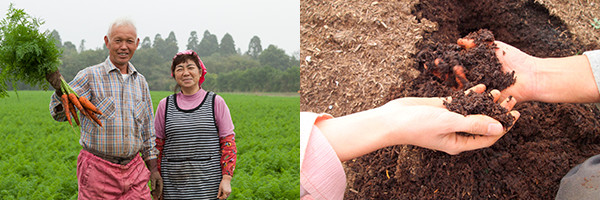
column 190, row 165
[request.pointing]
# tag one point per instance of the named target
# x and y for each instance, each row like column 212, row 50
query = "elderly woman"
column 194, row 133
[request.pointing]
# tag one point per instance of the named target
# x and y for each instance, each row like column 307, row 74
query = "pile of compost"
column 528, row 162
column 358, row 55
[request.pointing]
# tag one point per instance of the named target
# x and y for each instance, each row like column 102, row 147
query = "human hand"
column 427, row 123
column 224, row 187
column 156, row 184
column 553, row 80
column 525, row 68
column 422, row 122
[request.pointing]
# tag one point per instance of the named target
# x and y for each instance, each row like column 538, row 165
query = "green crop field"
column 38, row 156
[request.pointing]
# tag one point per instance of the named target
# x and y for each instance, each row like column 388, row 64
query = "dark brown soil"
column 526, row 163
column 355, row 53
column 478, row 64
column 474, row 103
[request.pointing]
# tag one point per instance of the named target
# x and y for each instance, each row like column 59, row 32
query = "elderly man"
column 109, row 165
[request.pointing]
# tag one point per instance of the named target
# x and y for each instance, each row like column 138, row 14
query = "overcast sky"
column 276, row 22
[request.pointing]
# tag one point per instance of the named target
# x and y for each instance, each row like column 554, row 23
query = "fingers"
column 220, row 194
column 223, row 193
column 516, row 115
column 496, row 95
column 160, row 187
column 509, row 103
column 480, row 125
column 485, row 125
column 419, row 101
column 157, row 188
column 155, row 194
column 466, row 43
column 468, row 143
column 501, row 50
column 487, row 129
column 479, row 88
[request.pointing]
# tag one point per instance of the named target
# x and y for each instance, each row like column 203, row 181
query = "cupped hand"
column 427, row 123
column 524, row 66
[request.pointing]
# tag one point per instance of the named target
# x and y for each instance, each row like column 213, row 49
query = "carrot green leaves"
column 26, row 54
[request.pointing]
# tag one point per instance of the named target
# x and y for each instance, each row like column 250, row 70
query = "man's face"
column 121, row 45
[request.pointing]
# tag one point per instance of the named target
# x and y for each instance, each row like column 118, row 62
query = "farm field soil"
column 38, row 158
column 358, row 55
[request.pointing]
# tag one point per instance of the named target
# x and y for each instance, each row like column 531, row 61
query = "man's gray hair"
column 123, row 21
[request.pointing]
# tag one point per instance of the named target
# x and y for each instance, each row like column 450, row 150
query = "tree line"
column 229, row 69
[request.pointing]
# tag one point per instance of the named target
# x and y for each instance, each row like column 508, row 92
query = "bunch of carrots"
column 30, row 55
column 72, row 101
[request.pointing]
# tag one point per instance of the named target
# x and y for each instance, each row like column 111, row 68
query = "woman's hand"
column 224, row 187
column 422, row 122
column 432, row 126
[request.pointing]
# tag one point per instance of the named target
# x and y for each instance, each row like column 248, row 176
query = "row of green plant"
column 38, row 158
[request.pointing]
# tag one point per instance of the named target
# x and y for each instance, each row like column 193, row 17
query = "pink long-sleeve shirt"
column 321, row 173
column 222, row 115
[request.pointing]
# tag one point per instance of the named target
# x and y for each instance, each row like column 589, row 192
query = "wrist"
column 227, row 177
column 356, row 134
column 565, row 80
column 537, row 87
column 393, row 126
column 152, row 165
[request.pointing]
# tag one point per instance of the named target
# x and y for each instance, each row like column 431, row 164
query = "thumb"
column 489, row 129
column 220, row 195
column 480, row 125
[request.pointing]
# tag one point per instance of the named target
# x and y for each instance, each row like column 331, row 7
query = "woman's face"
column 187, row 74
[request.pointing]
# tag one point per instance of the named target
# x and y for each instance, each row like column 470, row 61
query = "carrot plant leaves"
column 26, row 53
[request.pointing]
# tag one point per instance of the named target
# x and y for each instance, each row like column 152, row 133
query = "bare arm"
column 423, row 122
column 553, row 80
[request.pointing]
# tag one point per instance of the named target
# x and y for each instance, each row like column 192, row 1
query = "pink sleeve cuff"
column 321, row 173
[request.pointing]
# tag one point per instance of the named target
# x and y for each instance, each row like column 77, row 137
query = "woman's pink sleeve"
column 159, row 119
column 321, row 173
column 223, row 117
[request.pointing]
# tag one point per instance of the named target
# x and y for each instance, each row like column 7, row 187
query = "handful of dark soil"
column 460, row 67
column 476, row 103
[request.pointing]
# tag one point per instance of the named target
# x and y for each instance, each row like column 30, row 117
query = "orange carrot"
column 95, row 118
column 92, row 116
column 66, row 107
column 466, row 43
column 74, row 113
column 75, row 102
column 88, row 105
